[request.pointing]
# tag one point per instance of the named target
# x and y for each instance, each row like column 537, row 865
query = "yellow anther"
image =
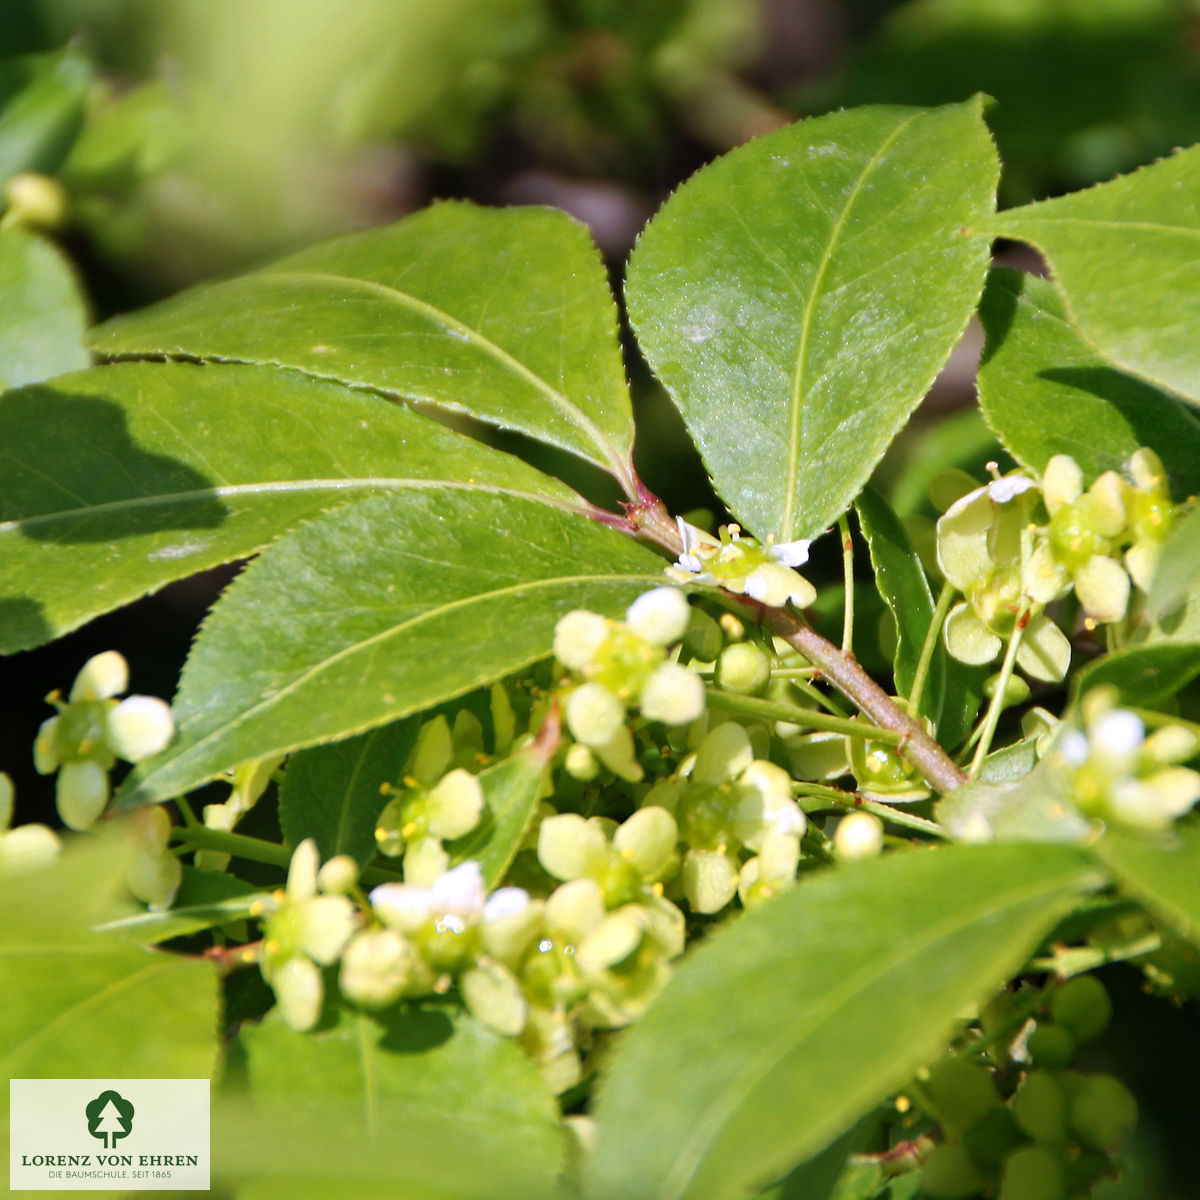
column 410, row 782
column 903, row 1104
column 409, row 829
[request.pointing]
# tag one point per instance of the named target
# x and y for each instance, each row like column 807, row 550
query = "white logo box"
column 52, row 1147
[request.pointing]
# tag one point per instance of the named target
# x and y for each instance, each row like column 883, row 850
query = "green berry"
column 1103, row 1111
column 948, row 1174
column 1051, row 1046
column 1083, row 1007
column 1041, row 1108
column 963, row 1093
column 743, row 668
column 993, row 1139
column 1033, row 1173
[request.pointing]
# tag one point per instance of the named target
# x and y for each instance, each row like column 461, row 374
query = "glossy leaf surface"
column 132, row 475
column 379, row 609
column 42, row 101
column 42, row 313
column 435, row 1105
column 1126, row 255
column 82, row 1004
column 332, row 793
column 504, row 314
column 1046, row 391
column 1145, row 676
column 785, row 1028
column 777, row 292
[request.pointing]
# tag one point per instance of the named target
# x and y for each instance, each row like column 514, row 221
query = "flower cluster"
column 437, row 801
column 1016, row 545
column 615, row 665
column 91, row 731
column 737, row 819
column 1115, row 772
column 761, row 570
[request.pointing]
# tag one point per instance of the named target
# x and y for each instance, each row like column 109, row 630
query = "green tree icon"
column 109, row 1117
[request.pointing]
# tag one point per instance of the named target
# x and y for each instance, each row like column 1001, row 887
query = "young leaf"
column 511, row 790
column 378, row 609
column 777, row 293
column 132, row 475
column 1035, row 362
column 786, row 1027
column 905, row 590
column 504, row 314
column 1163, row 873
column 42, row 312
column 332, row 793
column 432, row 1103
column 1126, row 255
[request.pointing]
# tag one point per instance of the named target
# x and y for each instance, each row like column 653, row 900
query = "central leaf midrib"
column 382, row 636
column 267, row 487
column 796, row 417
column 473, row 336
column 691, row 1157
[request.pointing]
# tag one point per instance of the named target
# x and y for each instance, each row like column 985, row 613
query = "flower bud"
column 35, row 201
column 580, row 763
column 1102, row 1111
column 673, row 695
column 1083, row 1007
column 1033, row 1173
column 743, row 668
column 659, row 616
column 859, row 836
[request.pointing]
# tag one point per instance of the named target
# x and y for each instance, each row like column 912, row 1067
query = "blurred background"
column 192, row 138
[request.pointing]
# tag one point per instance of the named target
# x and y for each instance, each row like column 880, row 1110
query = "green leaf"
column 121, row 479
column 422, row 1101
column 1126, row 255
column 1163, row 873
column 777, row 293
column 42, row 312
column 1036, row 363
column 332, row 793
column 204, row 899
column 783, row 1029
column 79, row 1003
column 377, row 610
column 905, row 590
column 1145, row 676
column 511, row 790
column 42, row 98
column 504, row 314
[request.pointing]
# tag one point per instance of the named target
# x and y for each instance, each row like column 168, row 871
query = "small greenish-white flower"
column 1115, row 772
column 881, row 772
column 154, row 873
column 91, row 731
column 434, row 805
column 986, row 549
column 764, row 571
column 28, row 847
column 859, row 836
column 728, row 802
column 303, row 932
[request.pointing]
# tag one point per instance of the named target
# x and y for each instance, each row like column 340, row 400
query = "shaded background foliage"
column 197, row 136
